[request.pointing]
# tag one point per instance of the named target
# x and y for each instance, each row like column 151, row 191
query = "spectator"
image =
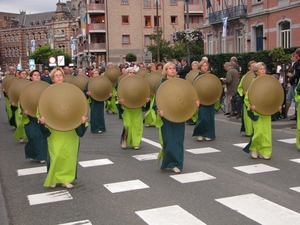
column 185, row 69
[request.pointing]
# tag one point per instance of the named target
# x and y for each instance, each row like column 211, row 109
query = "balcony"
column 97, row 47
column 193, row 26
column 97, row 26
column 194, row 8
column 95, row 8
column 231, row 13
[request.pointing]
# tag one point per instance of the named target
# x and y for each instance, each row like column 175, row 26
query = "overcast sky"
column 30, row 6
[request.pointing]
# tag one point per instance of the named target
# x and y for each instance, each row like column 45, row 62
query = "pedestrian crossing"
column 249, row 205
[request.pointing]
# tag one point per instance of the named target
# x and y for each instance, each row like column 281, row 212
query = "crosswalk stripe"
column 49, row 197
column 82, row 222
column 151, row 142
column 288, row 141
column 125, row 186
column 295, row 189
column 261, row 210
column 31, row 171
column 241, row 145
column 169, row 215
column 145, row 157
column 256, row 168
column 295, row 160
column 192, row 177
column 96, row 162
column 202, row 150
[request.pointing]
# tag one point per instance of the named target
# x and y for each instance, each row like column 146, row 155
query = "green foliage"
column 130, row 57
column 42, row 54
column 279, row 56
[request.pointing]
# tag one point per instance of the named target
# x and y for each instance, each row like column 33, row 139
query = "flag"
column 82, row 11
column 208, row 4
column 224, row 26
column 32, row 45
column 219, row 2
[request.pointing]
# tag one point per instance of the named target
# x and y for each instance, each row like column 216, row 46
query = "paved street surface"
column 219, row 184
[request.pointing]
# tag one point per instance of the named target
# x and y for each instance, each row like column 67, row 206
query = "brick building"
column 252, row 25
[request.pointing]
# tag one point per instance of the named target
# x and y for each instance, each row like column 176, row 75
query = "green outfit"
column 133, row 124
column 36, row 147
column 150, row 115
column 20, row 131
column 246, row 126
column 63, row 152
column 111, row 102
column 261, row 139
column 172, row 139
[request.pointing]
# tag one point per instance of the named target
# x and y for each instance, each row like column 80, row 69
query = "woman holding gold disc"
column 132, row 119
column 205, row 124
column 97, row 120
column 63, row 147
column 246, row 120
column 36, row 148
column 172, row 134
column 260, row 144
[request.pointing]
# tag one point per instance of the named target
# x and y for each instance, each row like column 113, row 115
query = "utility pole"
column 157, row 33
column 188, row 27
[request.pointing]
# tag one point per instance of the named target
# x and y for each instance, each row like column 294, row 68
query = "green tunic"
column 246, row 126
column 133, row 124
column 63, row 152
column 261, row 139
column 150, row 115
column 20, row 131
column 111, row 102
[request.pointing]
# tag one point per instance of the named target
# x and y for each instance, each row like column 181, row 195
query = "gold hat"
column 68, row 78
column 134, row 90
column 191, row 75
column 15, row 89
column 153, row 79
column 7, row 81
column 30, row 95
column 63, row 105
column 112, row 74
column 266, row 94
column 142, row 72
column 100, row 88
column 177, row 98
column 80, row 81
column 247, row 80
column 209, row 88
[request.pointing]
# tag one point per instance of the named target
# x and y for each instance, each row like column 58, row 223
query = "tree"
column 42, row 54
column 130, row 57
column 279, row 56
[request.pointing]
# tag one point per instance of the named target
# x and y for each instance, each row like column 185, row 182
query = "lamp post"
column 157, row 33
column 188, row 27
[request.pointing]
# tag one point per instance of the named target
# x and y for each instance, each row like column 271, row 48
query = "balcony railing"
column 232, row 12
column 97, row 7
column 97, row 46
column 194, row 8
column 193, row 26
column 97, row 26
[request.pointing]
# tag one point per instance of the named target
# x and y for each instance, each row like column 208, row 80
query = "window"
column 259, row 38
column 173, row 2
column 147, row 40
column 285, row 34
column 222, row 43
column 174, row 20
column 210, row 44
column 124, row 2
column 156, row 21
column 147, row 3
column 125, row 39
column 147, row 21
column 5, row 17
column 239, row 41
column 125, row 19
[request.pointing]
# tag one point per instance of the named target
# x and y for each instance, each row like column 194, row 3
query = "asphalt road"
column 219, row 184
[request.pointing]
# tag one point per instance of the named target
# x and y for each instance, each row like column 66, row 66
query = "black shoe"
column 226, row 114
column 294, row 118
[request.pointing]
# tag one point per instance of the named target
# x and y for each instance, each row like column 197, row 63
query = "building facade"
column 250, row 25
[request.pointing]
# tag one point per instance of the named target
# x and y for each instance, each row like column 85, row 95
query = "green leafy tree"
column 42, row 54
column 130, row 57
column 279, row 56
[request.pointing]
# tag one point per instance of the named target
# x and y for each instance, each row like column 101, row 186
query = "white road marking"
column 202, row 150
column 49, row 197
column 192, row 177
column 31, row 171
column 256, row 168
column 288, row 141
column 125, row 186
column 241, row 145
column 151, row 142
column 82, row 222
column 96, row 162
column 145, row 157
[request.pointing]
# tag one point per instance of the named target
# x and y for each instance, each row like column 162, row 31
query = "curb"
column 3, row 214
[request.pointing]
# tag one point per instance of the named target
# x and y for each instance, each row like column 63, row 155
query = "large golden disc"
column 153, row 79
column 100, row 88
column 15, row 89
column 266, row 94
column 30, row 95
column 63, row 105
column 209, row 88
column 80, row 81
column 68, row 78
column 177, row 98
column 120, row 78
column 247, row 80
column 190, row 77
column 142, row 72
column 134, row 90
column 112, row 74
column 6, row 80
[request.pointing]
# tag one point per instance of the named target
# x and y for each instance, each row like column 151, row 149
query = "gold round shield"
column 6, row 80
column 177, row 98
column 100, row 88
column 190, row 77
column 30, row 95
column 266, row 94
column 80, row 81
column 142, row 72
column 63, row 105
column 15, row 89
column 247, row 80
column 120, row 78
column 112, row 74
column 153, row 79
column 134, row 90
column 68, row 78
column 209, row 88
